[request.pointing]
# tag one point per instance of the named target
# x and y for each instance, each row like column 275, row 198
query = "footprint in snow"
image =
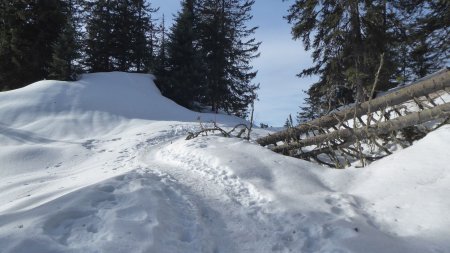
column 63, row 225
column 89, row 144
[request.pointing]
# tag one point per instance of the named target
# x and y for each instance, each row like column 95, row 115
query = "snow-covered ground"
column 102, row 165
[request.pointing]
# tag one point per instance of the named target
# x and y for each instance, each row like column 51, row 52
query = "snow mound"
column 397, row 204
column 98, row 103
column 408, row 190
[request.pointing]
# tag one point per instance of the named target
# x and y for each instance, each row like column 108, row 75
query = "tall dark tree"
column 99, row 36
column 28, row 30
column 8, row 19
column 228, row 49
column 348, row 38
column 184, row 81
column 66, row 49
column 425, row 35
column 119, row 36
column 143, row 38
column 209, row 55
column 162, row 65
column 311, row 108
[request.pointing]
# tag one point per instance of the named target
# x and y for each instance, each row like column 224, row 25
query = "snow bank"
column 390, row 206
column 408, row 191
column 97, row 104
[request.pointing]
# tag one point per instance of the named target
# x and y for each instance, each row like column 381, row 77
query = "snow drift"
column 101, row 165
column 97, row 104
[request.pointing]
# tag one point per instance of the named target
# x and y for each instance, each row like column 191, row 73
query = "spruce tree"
column 142, row 37
column 425, row 34
column 119, row 36
column 347, row 39
column 289, row 122
column 7, row 70
column 311, row 108
column 226, row 43
column 66, row 49
column 122, row 21
column 99, row 40
column 184, row 81
column 28, row 31
column 161, row 65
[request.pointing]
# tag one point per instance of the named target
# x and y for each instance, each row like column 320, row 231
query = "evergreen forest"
column 204, row 58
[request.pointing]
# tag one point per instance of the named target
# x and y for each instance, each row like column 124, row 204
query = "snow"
column 102, row 165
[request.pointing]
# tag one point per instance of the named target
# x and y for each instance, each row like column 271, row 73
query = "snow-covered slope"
column 101, row 165
column 95, row 105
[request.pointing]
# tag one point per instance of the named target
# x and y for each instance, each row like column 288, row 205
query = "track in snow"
column 159, row 197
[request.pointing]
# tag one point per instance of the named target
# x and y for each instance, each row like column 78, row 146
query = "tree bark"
column 440, row 111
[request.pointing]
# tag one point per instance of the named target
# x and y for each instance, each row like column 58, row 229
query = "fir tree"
column 228, row 50
column 289, row 123
column 162, row 65
column 7, row 70
column 99, row 40
column 28, row 30
column 425, row 34
column 311, row 108
column 66, row 50
column 347, row 39
column 185, row 81
column 119, row 36
column 143, row 39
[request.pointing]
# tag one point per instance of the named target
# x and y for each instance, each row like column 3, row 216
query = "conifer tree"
column 99, row 39
column 425, row 34
column 66, row 49
column 119, row 36
column 184, row 81
column 228, row 49
column 289, row 122
column 143, row 39
column 347, row 38
column 311, row 107
column 161, row 66
column 28, row 30
column 209, row 54
column 8, row 72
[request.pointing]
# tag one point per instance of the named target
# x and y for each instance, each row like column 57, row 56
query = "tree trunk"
column 422, row 87
column 348, row 134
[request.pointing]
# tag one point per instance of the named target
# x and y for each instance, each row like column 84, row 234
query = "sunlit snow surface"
column 101, row 165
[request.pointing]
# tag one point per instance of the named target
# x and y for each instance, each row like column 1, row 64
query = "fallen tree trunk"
column 324, row 150
column 440, row 111
column 422, row 87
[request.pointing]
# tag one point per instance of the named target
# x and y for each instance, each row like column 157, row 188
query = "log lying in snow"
column 324, row 150
column 438, row 112
column 422, row 87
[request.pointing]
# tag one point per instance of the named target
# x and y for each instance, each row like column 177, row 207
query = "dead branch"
column 216, row 128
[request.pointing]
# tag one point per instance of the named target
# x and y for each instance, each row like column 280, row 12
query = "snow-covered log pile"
column 368, row 131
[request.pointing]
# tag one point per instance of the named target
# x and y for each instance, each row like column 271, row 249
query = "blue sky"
column 280, row 92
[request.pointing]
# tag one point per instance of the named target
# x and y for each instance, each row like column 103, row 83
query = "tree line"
column 204, row 58
column 360, row 45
